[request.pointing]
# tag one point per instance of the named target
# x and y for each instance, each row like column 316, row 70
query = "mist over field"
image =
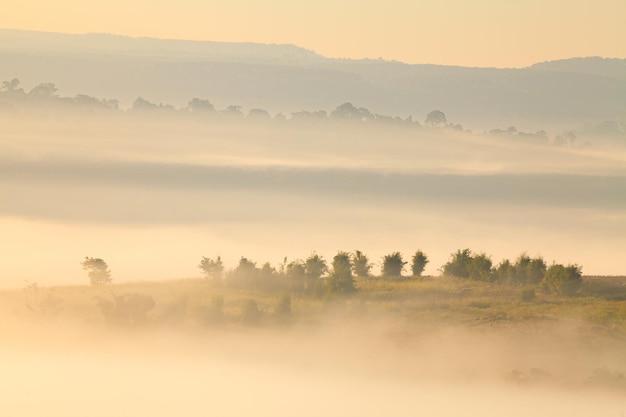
column 152, row 195
column 131, row 168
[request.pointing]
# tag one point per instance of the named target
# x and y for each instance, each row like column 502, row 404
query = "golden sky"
column 498, row 33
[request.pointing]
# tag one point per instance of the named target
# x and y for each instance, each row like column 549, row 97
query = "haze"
column 482, row 33
column 247, row 140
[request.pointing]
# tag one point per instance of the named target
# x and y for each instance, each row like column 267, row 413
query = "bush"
column 457, row 266
column 564, row 280
column 361, row 264
column 419, row 263
column 341, row 280
column 212, row 269
column 393, row 265
column 463, row 264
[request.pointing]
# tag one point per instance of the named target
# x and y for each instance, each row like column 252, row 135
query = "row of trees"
column 315, row 276
column 312, row 275
column 525, row 270
column 48, row 93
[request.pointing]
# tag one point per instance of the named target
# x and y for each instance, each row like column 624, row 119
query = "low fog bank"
column 342, row 367
column 151, row 196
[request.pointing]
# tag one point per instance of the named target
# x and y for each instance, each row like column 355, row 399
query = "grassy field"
column 408, row 302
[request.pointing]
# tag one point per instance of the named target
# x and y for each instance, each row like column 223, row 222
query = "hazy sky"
column 497, row 33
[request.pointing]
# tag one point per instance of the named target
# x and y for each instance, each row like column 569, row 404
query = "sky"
column 481, row 33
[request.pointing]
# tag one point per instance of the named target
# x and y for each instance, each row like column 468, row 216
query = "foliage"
column 97, row 270
column 361, row 265
column 245, row 275
column 463, row 264
column 296, row 275
column 458, row 264
column 479, row 268
column 435, row 118
column 212, row 269
column 564, row 280
column 315, row 266
column 341, row 280
column 393, row 265
column 126, row 309
column 200, row 105
column 529, row 270
column 419, row 262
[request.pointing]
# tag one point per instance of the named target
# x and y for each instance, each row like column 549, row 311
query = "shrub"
column 419, row 263
column 393, row 265
column 341, row 280
column 564, row 280
column 361, row 264
column 457, row 266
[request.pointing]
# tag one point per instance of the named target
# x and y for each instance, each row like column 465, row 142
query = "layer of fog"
column 152, row 196
column 349, row 369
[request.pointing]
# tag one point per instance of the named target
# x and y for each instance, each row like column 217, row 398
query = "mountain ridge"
column 287, row 78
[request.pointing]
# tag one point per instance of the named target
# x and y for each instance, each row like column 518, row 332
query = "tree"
column 315, row 266
column 457, row 266
column 142, row 104
column 296, row 275
column 529, row 270
column 341, row 280
column 479, row 267
column 393, row 265
column 200, row 105
column 97, row 270
column 10, row 86
column 212, row 269
column 565, row 280
column 44, row 90
column 348, row 111
column 419, row 263
column 361, row 265
column 435, row 118
column 258, row 114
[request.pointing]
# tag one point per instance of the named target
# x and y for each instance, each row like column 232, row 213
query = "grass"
column 434, row 300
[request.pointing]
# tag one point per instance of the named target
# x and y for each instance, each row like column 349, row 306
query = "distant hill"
column 286, row 78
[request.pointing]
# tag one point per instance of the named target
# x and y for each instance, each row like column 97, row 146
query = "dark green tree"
column 564, row 280
column 480, row 267
column 458, row 265
column 361, row 264
column 420, row 260
column 393, row 265
column 341, row 280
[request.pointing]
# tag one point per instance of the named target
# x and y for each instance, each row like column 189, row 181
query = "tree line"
column 47, row 93
column 317, row 277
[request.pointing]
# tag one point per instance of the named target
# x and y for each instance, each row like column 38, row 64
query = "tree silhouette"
column 435, row 118
column 419, row 263
column 361, row 264
column 393, row 265
column 212, row 269
column 97, row 270
column 341, row 280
